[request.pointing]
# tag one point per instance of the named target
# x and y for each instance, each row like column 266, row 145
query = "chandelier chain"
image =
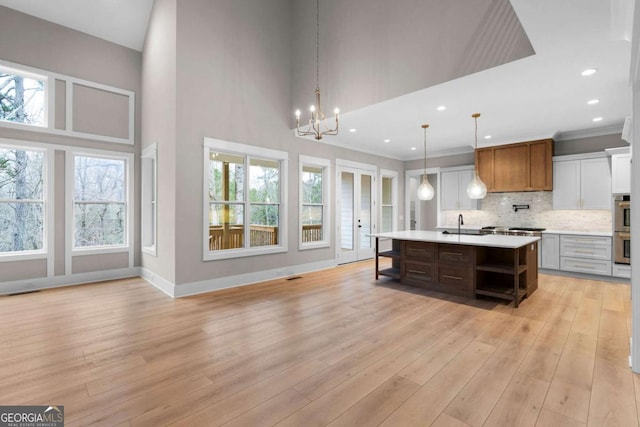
column 317, row 44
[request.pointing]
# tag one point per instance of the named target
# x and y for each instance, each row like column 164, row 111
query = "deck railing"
column 312, row 233
column 259, row 235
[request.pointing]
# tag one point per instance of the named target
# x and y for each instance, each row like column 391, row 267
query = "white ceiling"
column 540, row 96
column 119, row 21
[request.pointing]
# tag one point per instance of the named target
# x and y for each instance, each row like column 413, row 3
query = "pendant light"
column 425, row 191
column 476, row 188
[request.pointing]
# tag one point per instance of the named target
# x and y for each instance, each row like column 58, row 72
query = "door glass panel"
column 366, row 211
column 346, row 213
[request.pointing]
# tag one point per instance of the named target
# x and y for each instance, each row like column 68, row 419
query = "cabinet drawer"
column 455, row 254
column 620, row 270
column 589, row 266
column 419, row 274
column 456, row 280
column 598, row 247
column 420, row 251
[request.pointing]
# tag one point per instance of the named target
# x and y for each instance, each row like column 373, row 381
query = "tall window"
column 149, row 194
column 389, row 200
column 99, row 202
column 314, row 197
column 22, row 97
column 22, row 197
column 244, row 200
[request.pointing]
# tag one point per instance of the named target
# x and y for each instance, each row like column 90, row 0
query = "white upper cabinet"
column 621, row 173
column 453, row 189
column 582, row 183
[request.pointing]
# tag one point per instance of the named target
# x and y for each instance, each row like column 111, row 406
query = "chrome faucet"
column 460, row 222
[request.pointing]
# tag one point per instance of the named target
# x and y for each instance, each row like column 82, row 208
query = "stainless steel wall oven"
column 622, row 230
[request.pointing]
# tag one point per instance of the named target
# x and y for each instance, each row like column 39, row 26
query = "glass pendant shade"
column 425, row 191
column 476, row 188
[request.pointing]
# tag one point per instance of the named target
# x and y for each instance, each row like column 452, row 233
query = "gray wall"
column 37, row 43
column 159, row 126
column 588, row 144
column 230, row 84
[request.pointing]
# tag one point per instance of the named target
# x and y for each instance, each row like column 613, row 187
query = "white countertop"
column 489, row 240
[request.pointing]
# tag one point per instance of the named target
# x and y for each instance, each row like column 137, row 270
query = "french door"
column 356, row 203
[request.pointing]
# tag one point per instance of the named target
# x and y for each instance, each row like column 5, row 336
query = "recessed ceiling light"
column 597, row 119
column 352, row 130
column 487, row 137
column 413, row 148
column 441, row 108
column 589, row 72
column 387, row 140
column 593, row 101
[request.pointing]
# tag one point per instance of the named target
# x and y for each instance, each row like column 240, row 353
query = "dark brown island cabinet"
column 504, row 267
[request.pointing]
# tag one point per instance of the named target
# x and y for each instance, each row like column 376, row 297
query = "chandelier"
column 317, row 125
column 476, row 188
column 425, row 190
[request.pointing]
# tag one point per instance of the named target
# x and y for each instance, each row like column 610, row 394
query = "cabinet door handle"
column 578, row 251
column 446, row 276
column 417, row 250
column 587, row 267
column 452, row 253
column 424, row 273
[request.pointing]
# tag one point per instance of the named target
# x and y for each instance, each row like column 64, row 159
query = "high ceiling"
column 541, row 96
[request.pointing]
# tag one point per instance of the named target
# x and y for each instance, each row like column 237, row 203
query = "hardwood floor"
column 330, row 348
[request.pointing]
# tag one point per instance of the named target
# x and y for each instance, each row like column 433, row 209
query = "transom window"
column 22, row 200
column 244, row 202
column 23, row 97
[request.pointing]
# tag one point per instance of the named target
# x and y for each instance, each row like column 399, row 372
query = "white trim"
column 247, row 152
column 72, row 251
column 150, row 152
column 26, row 285
column 387, row 173
column 49, row 126
column 357, row 165
column 194, row 288
column 325, row 164
column 23, row 256
column 583, row 156
column 589, row 133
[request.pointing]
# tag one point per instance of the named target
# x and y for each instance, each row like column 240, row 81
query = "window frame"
column 325, row 165
column 393, row 175
column 247, row 152
column 47, row 201
column 72, row 250
column 149, row 199
column 49, row 97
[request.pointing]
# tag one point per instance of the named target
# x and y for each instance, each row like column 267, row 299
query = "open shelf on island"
column 502, row 293
column 390, row 272
column 390, row 254
column 500, row 268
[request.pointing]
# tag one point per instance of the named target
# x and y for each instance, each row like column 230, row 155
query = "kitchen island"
column 502, row 267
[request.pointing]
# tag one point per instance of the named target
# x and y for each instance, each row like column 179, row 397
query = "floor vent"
column 294, row 277
column 23, row 293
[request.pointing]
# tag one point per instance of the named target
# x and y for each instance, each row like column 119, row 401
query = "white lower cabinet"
column 550, row 251
column 585, row 254
column 621, row 270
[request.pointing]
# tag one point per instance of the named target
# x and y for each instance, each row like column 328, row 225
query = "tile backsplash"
column 497, row 209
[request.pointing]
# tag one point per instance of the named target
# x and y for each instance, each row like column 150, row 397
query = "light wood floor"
column 330, row 348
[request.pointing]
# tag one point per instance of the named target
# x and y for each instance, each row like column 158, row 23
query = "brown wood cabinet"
column 526, row 166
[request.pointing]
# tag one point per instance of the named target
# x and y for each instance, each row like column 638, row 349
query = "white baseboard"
column 194, row 288
column 28, row 285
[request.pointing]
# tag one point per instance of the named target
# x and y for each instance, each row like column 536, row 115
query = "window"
column 389, row 199
column 23, row 97
column 244, row 207
column 314, row 197
column 149, row 195
column 99, row 202
column 22, row 200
